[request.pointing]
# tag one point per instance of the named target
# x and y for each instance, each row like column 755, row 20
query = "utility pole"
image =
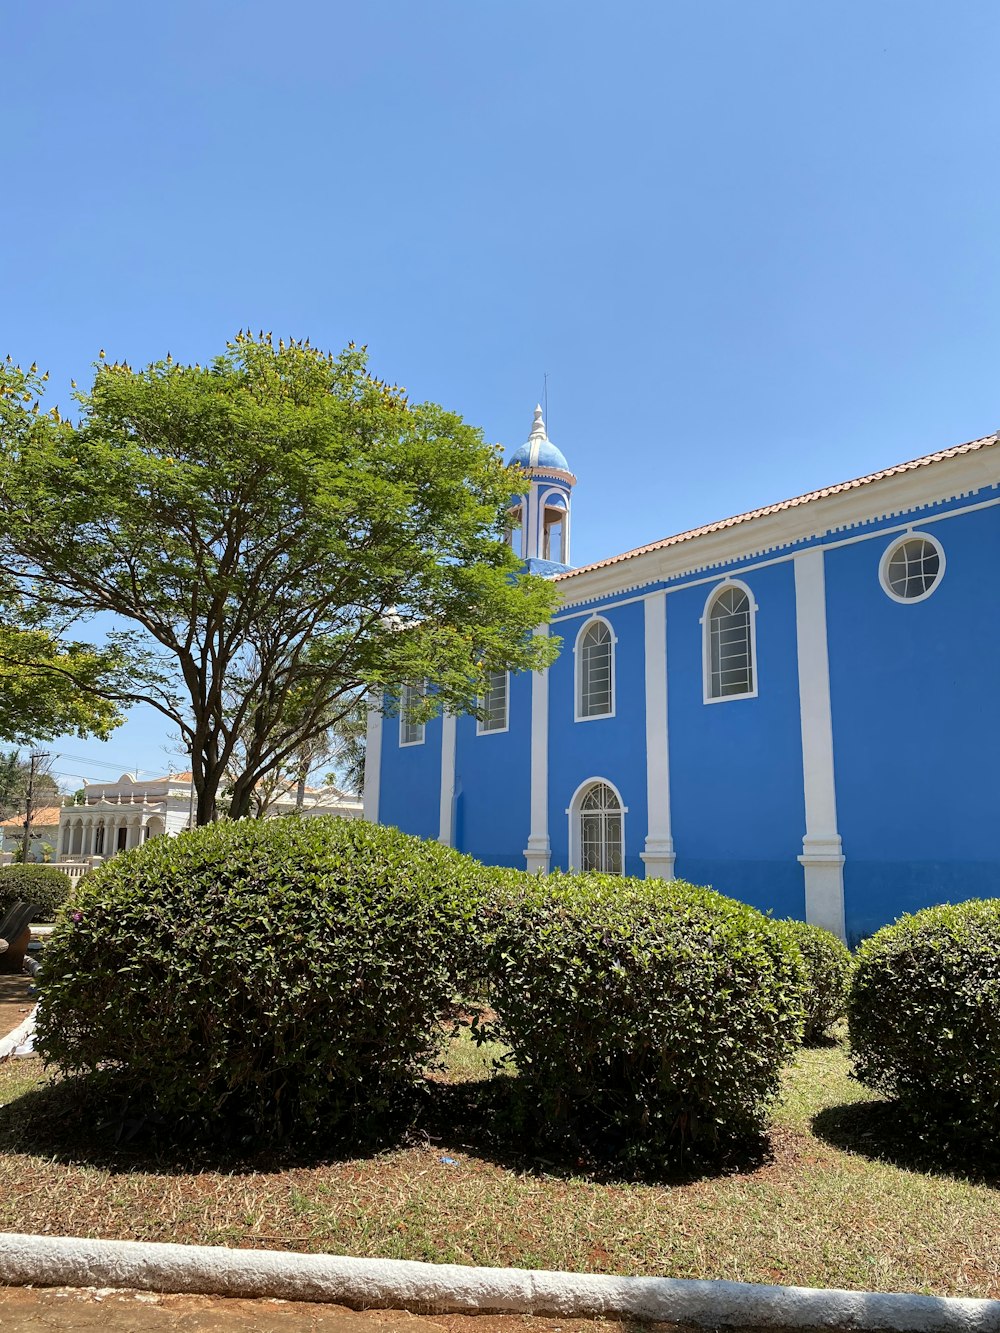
column 36, row 758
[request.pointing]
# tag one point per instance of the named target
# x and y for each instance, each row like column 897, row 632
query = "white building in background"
column 115, row 816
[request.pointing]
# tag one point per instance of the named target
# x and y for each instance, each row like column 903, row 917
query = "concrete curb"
column 452, row 1288
column 10, row 1043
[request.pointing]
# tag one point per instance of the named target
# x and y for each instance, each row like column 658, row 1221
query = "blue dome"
column 539, row 451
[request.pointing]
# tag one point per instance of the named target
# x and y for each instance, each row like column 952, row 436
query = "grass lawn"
column 837, row 1203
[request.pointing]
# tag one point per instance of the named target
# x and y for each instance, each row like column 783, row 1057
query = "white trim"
column 538, row 853
column 822, row 858
column 446, row 828
column 497, row 731
column 574, row 610
column 408, row 1284
column 373, row 764
column 706, row 645
column 577, row 683
column 887, row 554
column 573, row 813
column 658, row 853
column 905, row 492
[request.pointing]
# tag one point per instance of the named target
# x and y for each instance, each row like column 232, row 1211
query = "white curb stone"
column 453, row 1288
column 23, row 1033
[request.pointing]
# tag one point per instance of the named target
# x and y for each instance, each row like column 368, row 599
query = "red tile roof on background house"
column 972, row 446
column 46, row 816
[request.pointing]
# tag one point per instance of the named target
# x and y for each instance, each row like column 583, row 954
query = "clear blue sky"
column 754, row 245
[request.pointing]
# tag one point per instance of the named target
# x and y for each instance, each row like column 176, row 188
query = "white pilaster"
column 822, row 856
column 373, row 765
column 538, row 852
column 658, row 854
column 446, row 830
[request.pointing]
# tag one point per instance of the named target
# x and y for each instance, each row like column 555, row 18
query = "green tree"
column 278, row 531
column 14, row 771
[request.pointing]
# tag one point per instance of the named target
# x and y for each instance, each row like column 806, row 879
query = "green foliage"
column 47, row 682
column 45, row 887
column 649, row 1020
column 924, row 1019
column 261, row 979
column 14, row 774
column 279, row 531
column 828, row 977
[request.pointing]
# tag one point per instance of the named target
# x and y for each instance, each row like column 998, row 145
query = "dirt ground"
column 72, row 1310
column 15, row 1004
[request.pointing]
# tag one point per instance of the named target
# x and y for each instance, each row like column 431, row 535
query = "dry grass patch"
column 839, row 1207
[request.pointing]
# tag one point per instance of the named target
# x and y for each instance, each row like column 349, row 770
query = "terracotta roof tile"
column 47, row 816
column 972, row 446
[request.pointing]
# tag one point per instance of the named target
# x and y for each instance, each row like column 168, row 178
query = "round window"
column 912, row 568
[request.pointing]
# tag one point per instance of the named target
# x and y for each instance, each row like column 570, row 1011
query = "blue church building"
column 785, row 705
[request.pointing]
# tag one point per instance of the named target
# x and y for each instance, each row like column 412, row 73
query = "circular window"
column 912, row 568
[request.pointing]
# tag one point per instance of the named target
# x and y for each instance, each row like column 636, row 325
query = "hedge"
column 648, row 1020
column 264, row 978
column 45, row 887
column 829, row 966
column 924, row 1020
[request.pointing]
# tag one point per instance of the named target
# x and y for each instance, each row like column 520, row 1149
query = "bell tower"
column 540, row 514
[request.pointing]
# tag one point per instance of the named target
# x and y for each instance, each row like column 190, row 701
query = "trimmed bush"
column 649, row 1021
column 924, row 1020
column 263, row 978
column 828, row 977
column 45, row 887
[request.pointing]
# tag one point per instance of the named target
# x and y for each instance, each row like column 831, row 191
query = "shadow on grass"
column 77, row 1122
column 880, row 1131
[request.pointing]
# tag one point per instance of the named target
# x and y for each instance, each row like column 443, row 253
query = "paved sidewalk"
column 73, row 1310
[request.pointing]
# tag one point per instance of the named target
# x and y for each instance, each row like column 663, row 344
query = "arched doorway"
column 597, row 828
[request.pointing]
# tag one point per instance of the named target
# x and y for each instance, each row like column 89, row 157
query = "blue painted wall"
column 613, row 748
column 493, row 783
column 736, row 765
column 916, row 717
column 410, row 784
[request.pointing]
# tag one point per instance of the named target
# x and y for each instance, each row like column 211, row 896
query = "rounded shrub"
column 46, row 888
column 828, row 964
column 261, row 978
column 924, row 1020
column 648, row 1020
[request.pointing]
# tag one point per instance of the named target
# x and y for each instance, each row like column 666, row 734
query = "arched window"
column 729, row 643
column 595, row 671
column 597, row 839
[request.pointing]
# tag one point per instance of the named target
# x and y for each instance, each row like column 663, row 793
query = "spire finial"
column 538, row 425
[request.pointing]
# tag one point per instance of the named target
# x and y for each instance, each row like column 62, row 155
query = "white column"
column 822, row 855
column 538, row 852
column 446, row 825
column 658, row 855
column 373, row 764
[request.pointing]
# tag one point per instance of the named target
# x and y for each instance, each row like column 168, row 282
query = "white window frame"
column 578, row 715
column 496, row 731
column 403, row 723
column 883, row 566
column 706, row 644
column 574, row 813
